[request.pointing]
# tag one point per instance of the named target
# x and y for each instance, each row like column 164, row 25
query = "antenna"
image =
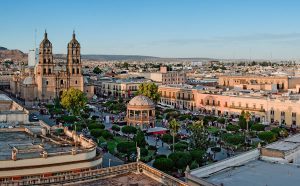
column 35, row 39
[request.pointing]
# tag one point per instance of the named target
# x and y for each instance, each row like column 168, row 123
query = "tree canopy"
column 97, row 70
column 149, row 90
column 73, row 100
column 199, row 137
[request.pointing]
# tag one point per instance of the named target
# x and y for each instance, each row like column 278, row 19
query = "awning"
column 157, row 130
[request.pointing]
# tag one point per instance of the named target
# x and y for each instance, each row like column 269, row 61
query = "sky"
column 248, row 29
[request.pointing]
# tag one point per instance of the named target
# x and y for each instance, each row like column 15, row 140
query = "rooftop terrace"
column 258, row 172
column 29, row 146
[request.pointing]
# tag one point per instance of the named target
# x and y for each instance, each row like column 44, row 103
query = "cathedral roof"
column 45, row 43
column 73, row 42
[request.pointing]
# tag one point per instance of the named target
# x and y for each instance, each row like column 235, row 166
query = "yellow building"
column 268, row 109
column 282, row 83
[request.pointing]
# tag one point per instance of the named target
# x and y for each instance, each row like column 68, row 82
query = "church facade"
column 49, row 79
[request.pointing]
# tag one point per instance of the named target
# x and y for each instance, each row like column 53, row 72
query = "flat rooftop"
column 4, row 97
column 258, row 172
column 287, row 144
column 29, row 146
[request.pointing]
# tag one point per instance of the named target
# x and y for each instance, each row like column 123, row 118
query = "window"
column 293, row 114
column 282, row 114
column 272, row 112
column 44, row 71
column 75, row 82
column 49, row 70
column 73, row 71
column 77, row 70
column 46, row 82
column 61, row 82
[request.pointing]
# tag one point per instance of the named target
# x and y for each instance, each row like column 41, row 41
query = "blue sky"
column 167, row 28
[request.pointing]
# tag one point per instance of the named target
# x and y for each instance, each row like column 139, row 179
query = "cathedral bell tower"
column 74, row 66
column 46, row 64
column 74, row 58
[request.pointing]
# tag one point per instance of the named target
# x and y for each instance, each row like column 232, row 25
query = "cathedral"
column 48, row 79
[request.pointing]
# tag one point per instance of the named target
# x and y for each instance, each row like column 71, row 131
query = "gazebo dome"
column 141, row 100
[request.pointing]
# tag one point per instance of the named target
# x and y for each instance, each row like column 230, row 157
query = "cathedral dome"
column 46, row 43
column 28, row 81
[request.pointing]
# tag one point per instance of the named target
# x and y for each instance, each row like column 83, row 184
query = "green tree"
column 174, row 126
column 128, row 130
column 163, row 164
column 198, row 156
column 140, row 139
column 267, row 136
column 149, row 90
column 199, row 137
column 115, row 128
column 74, row 101
column 97, row 70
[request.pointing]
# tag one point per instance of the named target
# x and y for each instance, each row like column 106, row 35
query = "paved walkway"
column 162, row 148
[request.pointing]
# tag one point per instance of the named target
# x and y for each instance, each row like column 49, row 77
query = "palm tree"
column 247, row 117
column 174, row 126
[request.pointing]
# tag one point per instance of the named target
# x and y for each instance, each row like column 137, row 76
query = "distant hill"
column 14, row 55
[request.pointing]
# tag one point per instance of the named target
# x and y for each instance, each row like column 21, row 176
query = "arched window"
column 49, row 60
column 49, row 70
column 76, row 82
column 44, row 71
column 73, row 71
column 77, row 60
column 77, row 70
column 44, row 60
column 61, row 82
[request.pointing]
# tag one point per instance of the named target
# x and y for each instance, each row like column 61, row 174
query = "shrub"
column 126, row 147
column 161, row 156
column 107, row 135
column 221, row 120
column 233, row 139
column 258, row 127
column 267, row 136
column 280, row 132
column 198, row 156
column 129, row 130
column 180, row 146
column 194, row 165
column 183, row 162
column 96, row 126
column 97, row 132
column 115, row 128
column 163, row 164
column 234, row 128
column 168, row 138
column 144, row 152
column 140, row 139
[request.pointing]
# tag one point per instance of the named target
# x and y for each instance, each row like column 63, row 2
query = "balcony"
column 247, row 108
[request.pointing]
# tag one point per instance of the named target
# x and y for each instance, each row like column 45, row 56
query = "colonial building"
column 249, row 82
column 278, row 109
column 49, row 79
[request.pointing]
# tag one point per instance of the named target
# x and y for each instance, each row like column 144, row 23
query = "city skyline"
column 215, row 29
